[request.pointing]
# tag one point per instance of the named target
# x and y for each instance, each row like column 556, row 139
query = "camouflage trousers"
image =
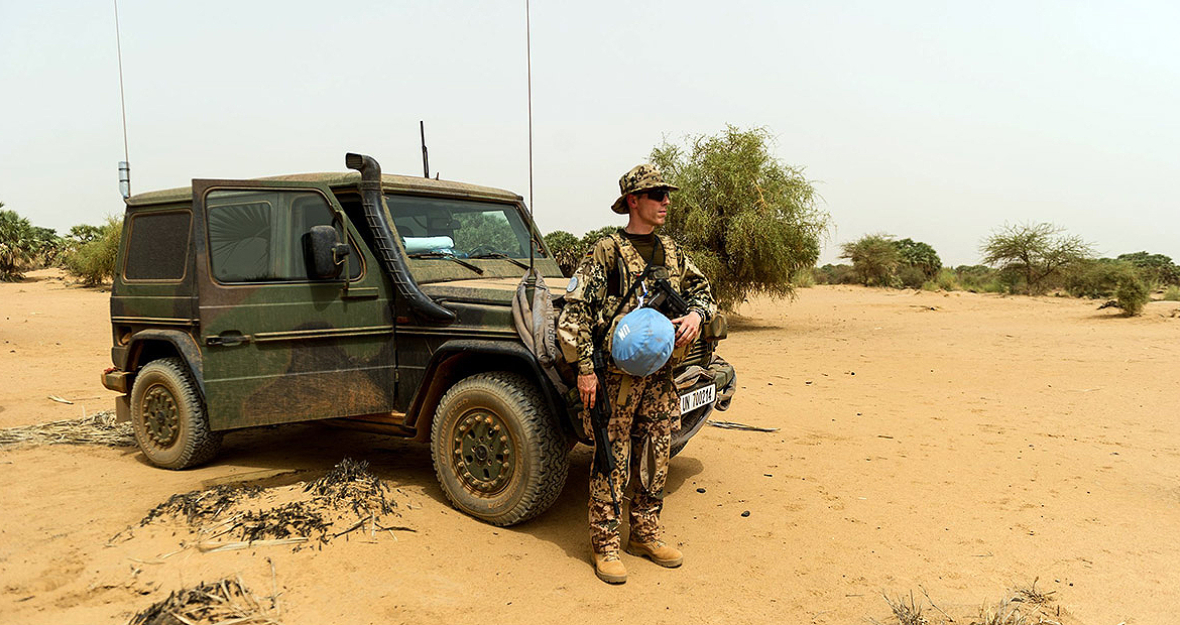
column 640, row 431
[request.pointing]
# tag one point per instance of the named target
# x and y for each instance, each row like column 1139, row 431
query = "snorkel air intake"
column 388, row 251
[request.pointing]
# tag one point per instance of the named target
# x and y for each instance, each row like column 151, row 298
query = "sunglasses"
column 657, row 195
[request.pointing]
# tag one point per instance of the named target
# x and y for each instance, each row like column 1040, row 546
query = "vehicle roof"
column 389, row 182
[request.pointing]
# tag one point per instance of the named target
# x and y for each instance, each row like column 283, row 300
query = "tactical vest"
column 628, row 266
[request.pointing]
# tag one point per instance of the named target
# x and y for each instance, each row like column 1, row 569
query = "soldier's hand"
column 587, row 388
column 687, row 328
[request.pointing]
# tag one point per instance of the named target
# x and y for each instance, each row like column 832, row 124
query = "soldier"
column 645, row 410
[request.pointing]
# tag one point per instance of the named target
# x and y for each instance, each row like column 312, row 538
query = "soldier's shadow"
column 566, row 524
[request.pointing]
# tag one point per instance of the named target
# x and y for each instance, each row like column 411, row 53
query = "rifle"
column 604, row 460
column 667, row 300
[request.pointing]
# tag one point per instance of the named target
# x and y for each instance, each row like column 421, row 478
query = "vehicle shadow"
column 289, row 454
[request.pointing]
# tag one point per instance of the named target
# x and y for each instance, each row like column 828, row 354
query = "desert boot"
column 609, row 568
column 656, row 551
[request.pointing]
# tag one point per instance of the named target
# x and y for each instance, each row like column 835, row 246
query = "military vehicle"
column 381, row 302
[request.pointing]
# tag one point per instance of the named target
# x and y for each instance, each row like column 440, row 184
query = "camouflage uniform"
column 645, row 411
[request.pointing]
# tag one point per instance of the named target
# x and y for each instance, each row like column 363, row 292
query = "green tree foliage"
column 920, row 256
column 1096, row 278
column 746, row 219
column 979, row 279
column 24, row 246
column 1036, row 253
column 15, row 240
column 483, row 232
column 836, row 274
column 85, row 233
column 569, row 250
column 566, row 250
column 94, row 261
column 1156, row 268
column 874, row 257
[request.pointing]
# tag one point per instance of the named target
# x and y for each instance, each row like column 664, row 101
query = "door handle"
column 228, row 338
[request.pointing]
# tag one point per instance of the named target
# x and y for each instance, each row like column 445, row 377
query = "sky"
column 937, row 121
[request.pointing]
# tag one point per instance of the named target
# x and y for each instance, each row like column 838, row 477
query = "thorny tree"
column 1035, row 252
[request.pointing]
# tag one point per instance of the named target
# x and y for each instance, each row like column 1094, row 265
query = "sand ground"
column 958, row 443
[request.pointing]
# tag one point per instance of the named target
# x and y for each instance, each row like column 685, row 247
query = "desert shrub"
column 747, row 220
column 1096, row 278
column 835, row 274
column 909, row 277
column 1172, row 293
column 874, row 258
column 1132, row 294
column 94, row 261
column 947, row 280
column 804, row 278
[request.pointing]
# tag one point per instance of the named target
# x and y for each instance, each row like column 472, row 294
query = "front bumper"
column 120, row 382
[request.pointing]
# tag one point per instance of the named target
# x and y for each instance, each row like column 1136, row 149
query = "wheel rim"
column 161, row 417
column 482, row 450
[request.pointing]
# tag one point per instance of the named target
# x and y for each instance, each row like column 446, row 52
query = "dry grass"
column 226, row 601
column 1024, row 605
column 99, row 428
column 230, row 511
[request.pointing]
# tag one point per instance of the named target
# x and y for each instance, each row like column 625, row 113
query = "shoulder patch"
column 572, row 285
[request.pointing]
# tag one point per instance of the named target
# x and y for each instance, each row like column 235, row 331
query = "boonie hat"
column 642, row 342
column 643, row 177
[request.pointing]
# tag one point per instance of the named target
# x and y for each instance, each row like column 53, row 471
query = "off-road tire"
column 530, row 476
column 164, row 391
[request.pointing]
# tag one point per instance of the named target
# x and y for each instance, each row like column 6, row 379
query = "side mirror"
column 324, row 253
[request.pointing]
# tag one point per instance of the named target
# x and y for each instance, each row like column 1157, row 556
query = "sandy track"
column 962, row 443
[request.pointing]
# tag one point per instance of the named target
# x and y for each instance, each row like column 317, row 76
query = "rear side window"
column 158, row 246
column 257, row 236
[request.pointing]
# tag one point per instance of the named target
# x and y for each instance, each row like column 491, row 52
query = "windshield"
column 436, row 227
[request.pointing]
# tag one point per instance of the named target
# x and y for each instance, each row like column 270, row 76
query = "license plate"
column 696, row 399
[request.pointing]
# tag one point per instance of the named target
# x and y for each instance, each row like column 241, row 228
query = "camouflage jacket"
column 588, row 304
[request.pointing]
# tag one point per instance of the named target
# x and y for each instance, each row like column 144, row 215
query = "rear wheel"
column 168, row 416
column 498, row 453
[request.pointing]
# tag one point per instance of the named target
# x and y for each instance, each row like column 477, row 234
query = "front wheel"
column 498, row 453
column 168, row 416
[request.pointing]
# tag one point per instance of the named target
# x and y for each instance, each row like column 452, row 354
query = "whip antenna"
column 125, row 164
column 528, row 46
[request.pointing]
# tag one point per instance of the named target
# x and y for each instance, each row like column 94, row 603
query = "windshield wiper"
column 447, row 256
column 501, row 256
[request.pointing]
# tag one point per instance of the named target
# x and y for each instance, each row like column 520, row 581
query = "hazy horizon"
column 921, row 120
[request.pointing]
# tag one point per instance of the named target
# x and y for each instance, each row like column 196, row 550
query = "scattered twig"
column 732, row 425
column 350, row 528
column 61, row 400
column 932, row 604
column 211, row 547
column 274, row 589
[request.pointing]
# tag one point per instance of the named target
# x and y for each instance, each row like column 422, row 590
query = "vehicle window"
column 466, row 228
column 158, row 246
column 257, row 236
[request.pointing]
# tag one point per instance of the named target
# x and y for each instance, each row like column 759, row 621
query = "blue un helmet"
column 642, row 342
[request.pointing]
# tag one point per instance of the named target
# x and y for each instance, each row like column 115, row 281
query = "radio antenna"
column 425, row 157
column 125, row 164
column 528, row 46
